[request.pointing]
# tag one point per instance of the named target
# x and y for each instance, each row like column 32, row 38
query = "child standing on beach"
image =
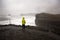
column 23, row 23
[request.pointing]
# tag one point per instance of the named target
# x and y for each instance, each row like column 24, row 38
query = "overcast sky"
column 17, row 7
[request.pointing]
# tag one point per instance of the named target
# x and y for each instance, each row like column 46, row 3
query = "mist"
column 16, row 7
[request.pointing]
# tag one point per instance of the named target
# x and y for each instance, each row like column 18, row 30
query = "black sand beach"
column 16, row 33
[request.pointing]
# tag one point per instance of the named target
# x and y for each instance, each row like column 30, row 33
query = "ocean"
column 30, row 20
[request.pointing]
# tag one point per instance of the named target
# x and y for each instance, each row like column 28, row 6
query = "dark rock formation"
column 48, row 22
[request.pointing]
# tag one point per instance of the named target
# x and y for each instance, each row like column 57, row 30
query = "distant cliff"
column 48, row 22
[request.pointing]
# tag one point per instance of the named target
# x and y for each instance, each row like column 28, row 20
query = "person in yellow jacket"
column 23, row 23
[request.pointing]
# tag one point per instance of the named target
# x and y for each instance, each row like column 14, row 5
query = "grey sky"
column 16, row 7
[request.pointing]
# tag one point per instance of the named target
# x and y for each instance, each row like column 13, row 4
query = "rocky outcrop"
column 48, row 22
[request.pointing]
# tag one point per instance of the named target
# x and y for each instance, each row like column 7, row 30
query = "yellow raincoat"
column 23, row 21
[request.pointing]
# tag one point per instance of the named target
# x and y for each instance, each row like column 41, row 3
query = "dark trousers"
column 23, row 26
